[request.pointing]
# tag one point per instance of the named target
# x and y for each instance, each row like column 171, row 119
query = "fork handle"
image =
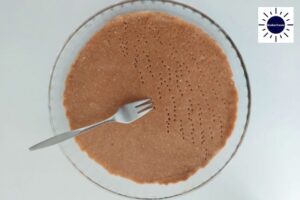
column 67, row 135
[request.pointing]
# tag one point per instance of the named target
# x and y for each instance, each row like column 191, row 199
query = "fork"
column 126, row 114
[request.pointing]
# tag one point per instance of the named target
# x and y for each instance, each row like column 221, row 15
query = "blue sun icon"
column 275, row 24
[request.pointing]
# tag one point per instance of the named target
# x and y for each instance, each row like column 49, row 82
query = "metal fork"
column 126, row 114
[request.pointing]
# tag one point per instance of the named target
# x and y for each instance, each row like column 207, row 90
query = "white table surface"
column 267, row 166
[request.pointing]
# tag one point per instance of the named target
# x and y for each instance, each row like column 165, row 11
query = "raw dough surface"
column 188, row 77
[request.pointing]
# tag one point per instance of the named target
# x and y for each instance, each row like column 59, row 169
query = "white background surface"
column 267, row 166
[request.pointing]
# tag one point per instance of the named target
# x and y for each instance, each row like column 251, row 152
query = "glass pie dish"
column 95, row 172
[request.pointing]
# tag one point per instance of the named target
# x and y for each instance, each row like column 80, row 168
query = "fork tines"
column 144, row 105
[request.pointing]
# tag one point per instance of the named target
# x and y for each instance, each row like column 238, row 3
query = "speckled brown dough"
column 181, row 68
